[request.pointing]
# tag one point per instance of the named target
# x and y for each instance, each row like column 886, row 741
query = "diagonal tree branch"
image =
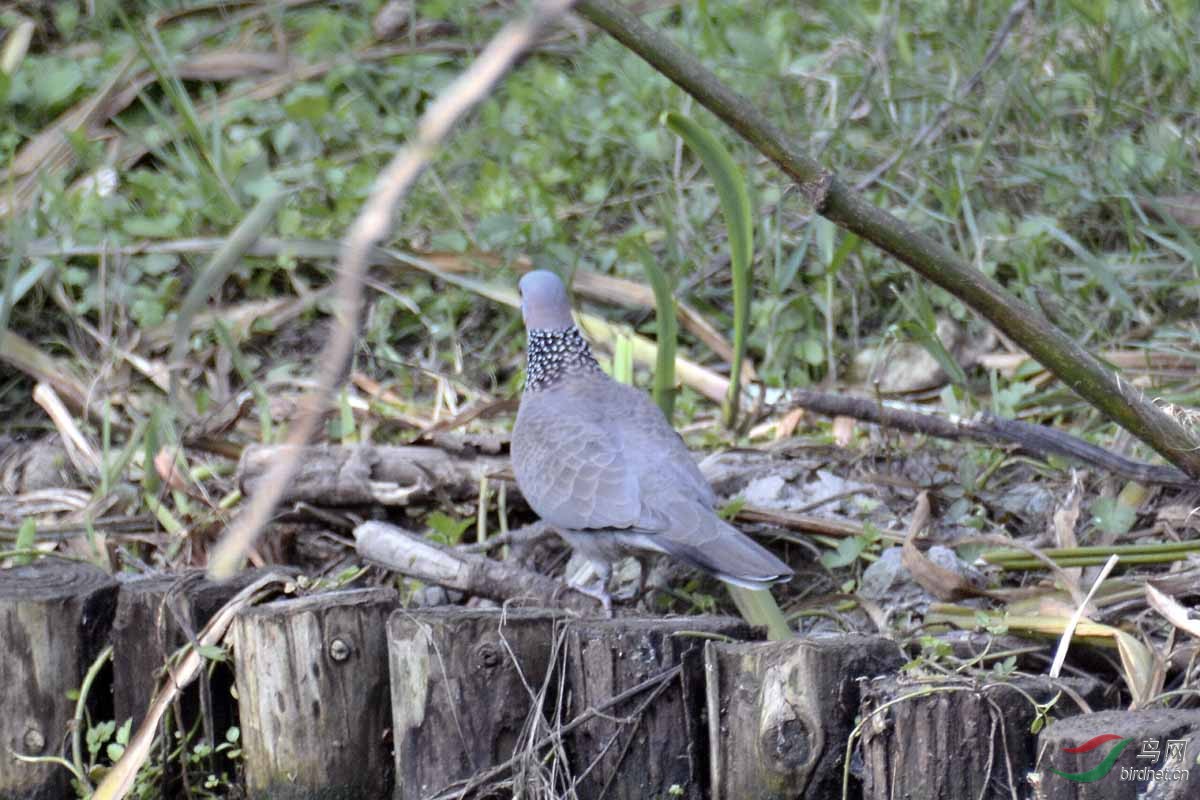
column 834, row 200
column 372, row 226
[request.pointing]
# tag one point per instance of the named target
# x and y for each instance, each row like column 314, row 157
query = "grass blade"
column 667, row 331
column 735, row 205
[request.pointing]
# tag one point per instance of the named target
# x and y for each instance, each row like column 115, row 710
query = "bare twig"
column 1036, row 439
column 373, row 226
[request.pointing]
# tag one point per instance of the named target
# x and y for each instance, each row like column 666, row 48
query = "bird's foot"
column 599, row 593
column 599, row 588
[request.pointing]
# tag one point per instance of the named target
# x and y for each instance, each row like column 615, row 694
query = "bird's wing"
column 571, row 469
column 654, row 451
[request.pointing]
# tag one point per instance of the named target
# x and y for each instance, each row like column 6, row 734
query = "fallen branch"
column 332, row 475
column 404, row 552
column 1034, row 439
column 833, row 199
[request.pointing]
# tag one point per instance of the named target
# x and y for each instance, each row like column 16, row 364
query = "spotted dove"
column 598, row 460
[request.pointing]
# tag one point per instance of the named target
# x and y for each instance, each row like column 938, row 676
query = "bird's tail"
column 720, row 549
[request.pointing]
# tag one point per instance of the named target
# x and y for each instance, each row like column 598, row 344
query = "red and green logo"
column 1104, row 767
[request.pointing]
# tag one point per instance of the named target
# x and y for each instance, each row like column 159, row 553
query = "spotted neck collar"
column 553, row 354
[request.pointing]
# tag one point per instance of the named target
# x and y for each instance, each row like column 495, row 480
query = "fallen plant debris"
column 176, row 187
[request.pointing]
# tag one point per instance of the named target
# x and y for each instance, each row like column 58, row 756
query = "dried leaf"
column 1173, row 610
column 1183, row 208
column 938, row 581
column 843, row 430
column 786, row 427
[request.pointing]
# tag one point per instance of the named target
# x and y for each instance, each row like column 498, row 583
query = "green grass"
column 1046, row 177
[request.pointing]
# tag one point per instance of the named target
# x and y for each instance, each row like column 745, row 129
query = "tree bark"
column 955, row 740
column 655, row 744
column 464, row 683
column 330, row 475
column 155, row 617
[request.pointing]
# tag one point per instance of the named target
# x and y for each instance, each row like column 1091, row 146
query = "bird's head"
column 544, row 303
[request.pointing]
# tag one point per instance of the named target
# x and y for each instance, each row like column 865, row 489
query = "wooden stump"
column 156, row 616
column 780, row 713
column 955, row 740
column 464, row 682
column 1172, row 774
column 313, row 696
column 54, row 620
column 653, row 744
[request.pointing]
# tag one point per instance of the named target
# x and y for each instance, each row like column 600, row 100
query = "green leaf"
column 212, row 652
column 667, row 331
column 730, row 510
column 848, row 551
column 159, row 226
column 54, row 83
column 758, row 607
column 26, row 536
column 1112, row 516
column 123, row 731
column 739, row 222
column 450, row 530
column 307, row 102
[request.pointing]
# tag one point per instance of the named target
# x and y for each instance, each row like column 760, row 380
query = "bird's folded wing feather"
column 655, row 453
column 573, row 472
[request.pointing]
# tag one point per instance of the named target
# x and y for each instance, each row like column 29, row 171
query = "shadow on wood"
column 155, row 616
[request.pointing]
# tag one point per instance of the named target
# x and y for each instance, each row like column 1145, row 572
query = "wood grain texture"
column 955, row 739
column 780, row 713
column 54, row 621
column 464, row 682
column 312, row 683
column 651, row 745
